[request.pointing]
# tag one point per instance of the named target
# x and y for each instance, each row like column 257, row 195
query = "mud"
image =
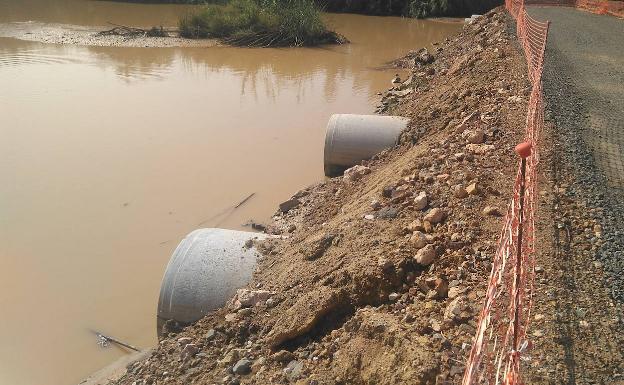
column 88, row 36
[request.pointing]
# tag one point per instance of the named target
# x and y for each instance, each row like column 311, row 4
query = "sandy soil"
column 382, row 273
column 88, row 36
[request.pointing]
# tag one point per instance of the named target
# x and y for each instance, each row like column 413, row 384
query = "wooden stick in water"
column 115, row 341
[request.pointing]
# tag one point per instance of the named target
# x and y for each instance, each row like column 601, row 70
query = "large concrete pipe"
column 205, row 270
column 353, row 138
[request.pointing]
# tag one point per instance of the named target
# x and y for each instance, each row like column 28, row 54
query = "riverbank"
column 382, row 273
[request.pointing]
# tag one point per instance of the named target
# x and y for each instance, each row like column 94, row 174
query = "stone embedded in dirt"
column 435, row 215
column 242, row 367
column 424, row 57
column 492, row 210
column 480, row 149
column 420, row 202
column 316, row 247
column 249, row 298
column 453, row 292
column 387, row 213
column 189, row 352
column 459, row 191
column 426, row 255
column 472, row 189
column 183, row 341
column 419, row 239
column 283, row 356
column 289, row 205
column 458, row 309
column 474, row 136
column 271, row 302
column 387, row 191
column 210, row 334
column 356, row 172
column 441, row 288
column 293, row 370
column 375, row 205
column 369, row 217
column 394, row 296
column 416, row 225
column 231, row 357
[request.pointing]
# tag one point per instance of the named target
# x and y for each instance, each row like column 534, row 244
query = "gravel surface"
column 578, row 307
column 584, row 87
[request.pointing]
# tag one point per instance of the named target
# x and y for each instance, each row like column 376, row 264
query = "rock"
column 189, row 352
column 317, row 246
column 453, row 292
column 249, row 298
column 480, row 149
column 369, row 217
column 426, row 255
column 231, row 357
column 472, row 189
column 493, row 211
column 419, row 239
column 416, row 225
column 387, row 213
column 458, row 309
column 289, row 205
column 184, row 341
column 375, row 205
column 420, row 202
column 459, row 191
column 293, row 370
column 210, row 334
column 435, row 215
column 441, row 288
column 424, row 57
column 242, row 367
column 394, row 296
column 356, row 172
column 387, row 191
column 474, row 136
column 283, row 356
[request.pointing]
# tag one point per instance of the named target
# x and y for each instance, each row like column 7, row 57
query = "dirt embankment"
column 383, row 271
column 89, row 36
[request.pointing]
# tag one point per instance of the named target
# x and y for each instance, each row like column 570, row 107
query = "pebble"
column 426, row 255
column 394, row 296
column 420, row 202
column 492, row 211
column 369, row 217
column 435, row 215
column 243, row 366
column 419, row 239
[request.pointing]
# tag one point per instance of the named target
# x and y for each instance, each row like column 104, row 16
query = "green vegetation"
column 260, row 23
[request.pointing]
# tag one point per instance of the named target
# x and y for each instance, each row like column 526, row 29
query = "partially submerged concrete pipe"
column 204, row 272
column 353, row 138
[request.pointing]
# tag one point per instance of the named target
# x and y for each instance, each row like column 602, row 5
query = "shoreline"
column 368, row 307
column 68, row 34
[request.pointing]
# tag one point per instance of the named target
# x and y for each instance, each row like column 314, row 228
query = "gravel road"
column 583, row 292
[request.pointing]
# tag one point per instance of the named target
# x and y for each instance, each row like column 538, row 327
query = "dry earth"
column 381, row 273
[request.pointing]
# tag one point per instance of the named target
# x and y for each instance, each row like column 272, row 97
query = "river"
column 109, row 156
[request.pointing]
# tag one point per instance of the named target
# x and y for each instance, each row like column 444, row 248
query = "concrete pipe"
column 353, row 138
column 205, row 270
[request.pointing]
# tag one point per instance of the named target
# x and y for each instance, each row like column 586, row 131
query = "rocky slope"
column 380, row 274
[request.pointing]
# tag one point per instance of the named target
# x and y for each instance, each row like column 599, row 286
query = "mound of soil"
column 379, row 275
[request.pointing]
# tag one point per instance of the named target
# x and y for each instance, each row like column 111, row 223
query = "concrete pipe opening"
column 204, row 272
column 351, row 139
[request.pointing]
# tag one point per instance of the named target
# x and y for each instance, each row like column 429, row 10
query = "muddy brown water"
column 109, row 156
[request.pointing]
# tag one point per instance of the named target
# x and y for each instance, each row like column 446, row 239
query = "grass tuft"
column 260, row 23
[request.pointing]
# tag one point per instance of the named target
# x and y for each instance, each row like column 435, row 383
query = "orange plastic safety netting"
column 501, row 337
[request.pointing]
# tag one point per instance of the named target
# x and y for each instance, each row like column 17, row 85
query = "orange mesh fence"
column 501, row 336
